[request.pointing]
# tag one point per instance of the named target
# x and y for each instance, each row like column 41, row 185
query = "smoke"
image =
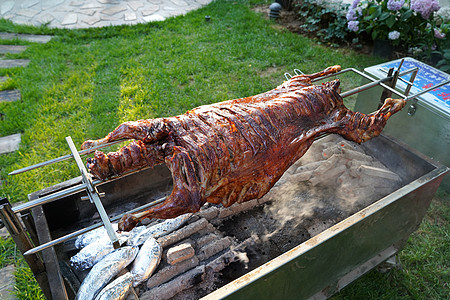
column 332, row 181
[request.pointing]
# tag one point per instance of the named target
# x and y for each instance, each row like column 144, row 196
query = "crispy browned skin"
column 235, row 150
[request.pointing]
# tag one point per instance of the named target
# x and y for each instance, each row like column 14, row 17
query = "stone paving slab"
column 4, row 234
column 3, row 79
column 13, row 63
column 9, row 143
column 93, row 13
column 7, row 282
column 9, row 95
column 34, row 38
column 12, row 49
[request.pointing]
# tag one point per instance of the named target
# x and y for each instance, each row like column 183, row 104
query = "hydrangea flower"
column 438, row 34
column 394, row 35
column 395, row 4
column 353, row 26
column 351, row 15
column 355, row 3
column 425, row 7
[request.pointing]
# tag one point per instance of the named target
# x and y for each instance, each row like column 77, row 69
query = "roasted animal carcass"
column 235, row 150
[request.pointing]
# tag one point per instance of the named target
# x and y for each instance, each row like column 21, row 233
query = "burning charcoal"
column 222, row 261
column 304, row 176
column 180, row 253
column 308, row 167
column 330, row 151
column 237, row 208
column 208, row 229
column 209, row 213
column 182, row 233
column 355, row 155
column 329, row 176
column 378, row 172
column 178, row 284
column 209, row 250
column 206, row 239
column 170, row 271
column 232, row 255
column 331, row 162
column 268, row 197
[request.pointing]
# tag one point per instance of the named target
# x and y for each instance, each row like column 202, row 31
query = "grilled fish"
column 93, row 236
column 104, row 271
column 93, row 253
column 146, row 261
column 140, row 235
column 117, row 289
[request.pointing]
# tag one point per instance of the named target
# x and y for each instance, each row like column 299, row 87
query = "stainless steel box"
column 424, row 124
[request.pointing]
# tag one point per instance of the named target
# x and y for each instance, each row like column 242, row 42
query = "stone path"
column 26, row 37
column 9, row 95
column 93, row 13
column 11, row 143
column 12, row 49
column 13, row 63
column 7, row 282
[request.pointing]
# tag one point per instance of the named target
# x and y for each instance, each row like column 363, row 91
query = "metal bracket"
column 93, row 194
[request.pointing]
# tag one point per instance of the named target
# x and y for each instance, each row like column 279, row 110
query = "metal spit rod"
column 287, row 75
column 93, row 194
column 78, row 188
column 75, row 189
column 63, row 158
column 92, row 227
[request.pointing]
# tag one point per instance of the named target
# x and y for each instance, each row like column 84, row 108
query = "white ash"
column 333, row 180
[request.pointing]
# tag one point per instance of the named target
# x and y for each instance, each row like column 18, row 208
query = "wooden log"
column 179, row 253
column 176, row 285
column 213, row 248
column 170, row 271
column 182, row 233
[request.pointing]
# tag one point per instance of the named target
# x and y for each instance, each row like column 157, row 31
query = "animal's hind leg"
column 187, row 194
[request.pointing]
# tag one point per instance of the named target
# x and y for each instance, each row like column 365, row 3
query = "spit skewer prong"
column 93, row 194
column 62, row 158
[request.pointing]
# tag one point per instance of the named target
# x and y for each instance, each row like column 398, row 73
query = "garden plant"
column 83, row 83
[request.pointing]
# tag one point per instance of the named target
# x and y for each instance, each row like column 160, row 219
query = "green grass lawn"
column 84, row 83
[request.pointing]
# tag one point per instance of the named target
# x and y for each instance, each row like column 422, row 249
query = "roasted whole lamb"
column 236, row 150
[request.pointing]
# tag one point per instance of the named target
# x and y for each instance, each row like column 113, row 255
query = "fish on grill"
column 236, row 150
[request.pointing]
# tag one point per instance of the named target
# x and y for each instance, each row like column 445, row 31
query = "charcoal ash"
column 332, row 181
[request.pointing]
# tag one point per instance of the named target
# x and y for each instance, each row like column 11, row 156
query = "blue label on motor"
column 427, row 77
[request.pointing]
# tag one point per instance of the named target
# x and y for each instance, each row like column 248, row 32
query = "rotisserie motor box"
column 424, row 123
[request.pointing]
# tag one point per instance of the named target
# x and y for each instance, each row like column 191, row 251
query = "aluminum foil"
column 146, row 261
column 105, row 270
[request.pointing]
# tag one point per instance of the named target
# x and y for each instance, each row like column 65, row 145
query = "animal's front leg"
column 145, row 130
column 134, row 156
column 187, row 194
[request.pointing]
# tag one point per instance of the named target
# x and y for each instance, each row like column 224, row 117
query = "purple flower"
column 355, row 3
column 438, row 34
column 395, row 4
column 351, row 15
column 425, row 7
column 353, row 26
column 394, row 35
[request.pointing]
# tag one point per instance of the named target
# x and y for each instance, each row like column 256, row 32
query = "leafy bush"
column 328, row 22
column 408, row 24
